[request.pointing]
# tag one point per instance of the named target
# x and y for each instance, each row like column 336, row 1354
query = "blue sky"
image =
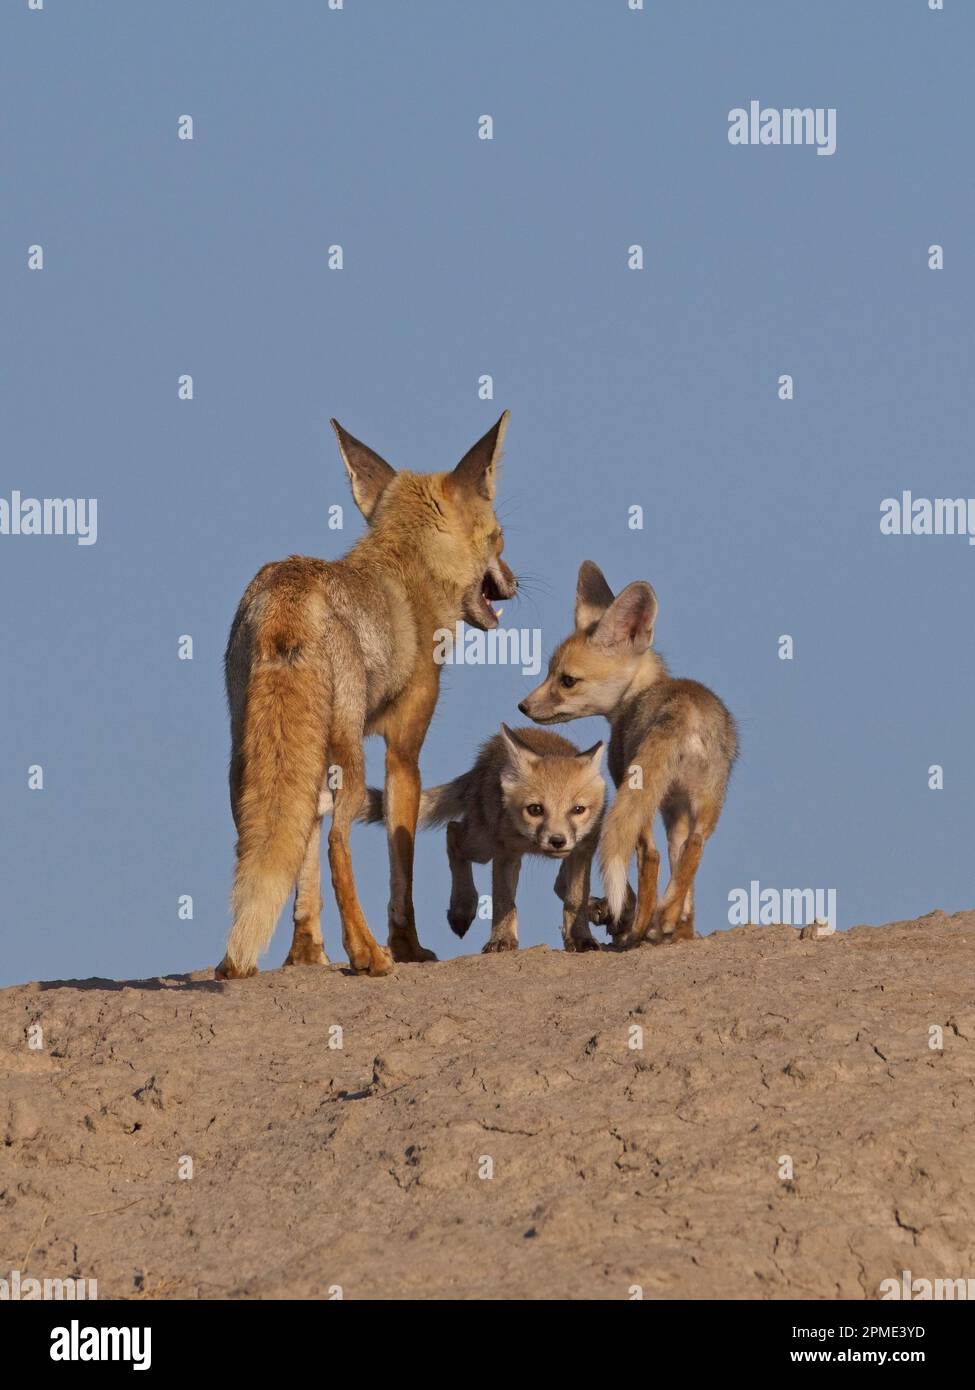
column 656, row 388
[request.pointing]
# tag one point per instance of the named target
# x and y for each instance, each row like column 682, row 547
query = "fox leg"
column 599, row 914
column 572, row 886
column 648, row 867
column 307, row 946
column 673, row 906
column 685, row 927
column 404, row 729
column 463, row 890
column 678, row 824
column 504, row 919
column 677, row 889
column 365, row 955
column 402, row 810
column 629, row 829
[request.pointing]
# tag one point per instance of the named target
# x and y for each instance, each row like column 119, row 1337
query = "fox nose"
column 557, row 841
column 522, row 707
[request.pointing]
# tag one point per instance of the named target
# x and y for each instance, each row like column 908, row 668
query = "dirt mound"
column 488, row 1127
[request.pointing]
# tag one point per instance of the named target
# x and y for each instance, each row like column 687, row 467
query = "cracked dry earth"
column 358, row 1167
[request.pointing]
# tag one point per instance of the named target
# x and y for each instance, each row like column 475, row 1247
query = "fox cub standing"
column 672, row 747
column 529, row 792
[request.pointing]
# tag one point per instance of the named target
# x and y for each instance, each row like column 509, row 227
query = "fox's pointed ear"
column 478, row 469
column 629, row 620
column 368, row 473
column 593, row 596
column 521, row 757
column 593, row 756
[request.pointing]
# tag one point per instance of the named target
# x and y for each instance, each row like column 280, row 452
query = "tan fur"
column 492, row 819
column 321, row 654
column 672, row 747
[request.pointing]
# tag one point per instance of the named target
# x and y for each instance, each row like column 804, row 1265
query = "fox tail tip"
column 614, row 881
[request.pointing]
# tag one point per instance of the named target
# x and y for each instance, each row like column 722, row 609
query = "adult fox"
column 321, row 654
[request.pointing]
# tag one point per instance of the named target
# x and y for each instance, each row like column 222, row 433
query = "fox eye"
column 578, row 810
column 535, row 809
column 567, row 682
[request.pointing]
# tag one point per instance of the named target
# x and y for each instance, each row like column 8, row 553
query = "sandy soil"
column 360, row 1167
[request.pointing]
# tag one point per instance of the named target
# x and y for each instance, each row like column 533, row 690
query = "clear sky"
column 656, row 388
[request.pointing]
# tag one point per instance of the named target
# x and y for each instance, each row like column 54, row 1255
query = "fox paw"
column 628, row 940
column 306, row 955
column 582, row 943
column 460, row 921
column 665, row 928
column 599, row 915
column 376, row 962
column 406, row 949
column 496, row 944
column 598, row 912
column 227, row 970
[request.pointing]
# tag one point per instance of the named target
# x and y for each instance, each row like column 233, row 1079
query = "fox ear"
column 368, row 473
column 593, row 756
column 478, row 469
column 520, row 756
column 629, row 620
column 593, row 596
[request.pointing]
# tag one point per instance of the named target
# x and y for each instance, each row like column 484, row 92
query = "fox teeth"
column 498, row 612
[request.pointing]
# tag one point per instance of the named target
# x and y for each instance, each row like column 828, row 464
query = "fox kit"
column 321, row 654
column 529, row 792
column 672, row 747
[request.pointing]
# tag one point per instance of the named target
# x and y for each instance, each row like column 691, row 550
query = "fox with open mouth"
column 323, row 653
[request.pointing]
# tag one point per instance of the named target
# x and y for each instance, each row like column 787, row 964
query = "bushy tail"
column 284, row 754
column 630, row 814
column 438, row 805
